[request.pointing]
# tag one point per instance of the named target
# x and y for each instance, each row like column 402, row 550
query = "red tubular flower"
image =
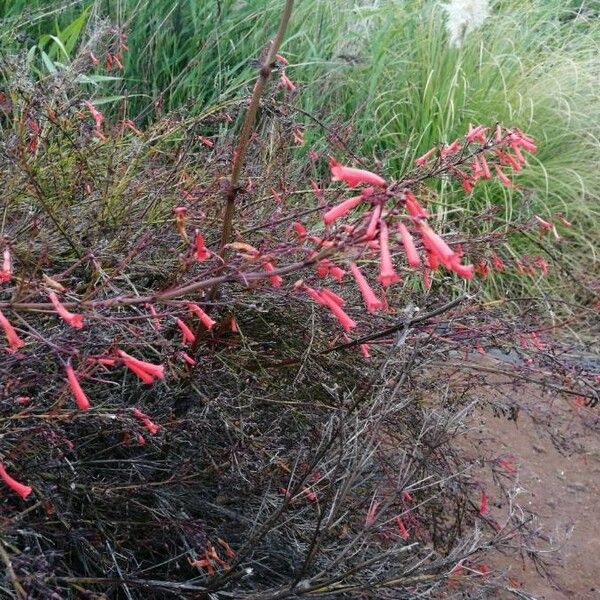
column 6, row 272
column 187, row 358
column 326, row 267
column 143, row 375
column 365, row 350
column 155, row 319
column 544, row 225
column 483, row 504
column 188, row 335
column 275, row 280
column 427, row 279
column 401, row 528
column 354, row 177
column 337, row 273
column 423, row 159
column 337, row 299
column 298, row 136
column 327, row 300
column 80, row 398
column 439, row 250
column 387, row 275
column 508, row 465
column 476, row 169
column 464, row 271
column 476, row 134
column 484, row 167
column 467, row 182
column 413, row 207
column 435, row 244
column 14, row 341
column 502, row 177
column 432, row 260
column 74, row 320
column 145, row 419
column 498, row 135
column 146, row 371
column 286, row 82
column 200, row 251
column 370, row 299
column 323, row 267
column 497, row 262
column 204, row 318
column 34, row 135
column 407, row 496
column 482, row 269
column 315, row 295
column 517, row 139
column 542, row 264
column 97, row 116
column 453, row 148
column 102, row 360
column 13, row 484
column 510, row 161
column 309, row 494
column 518, row 154
column 299, row 229
column 131, row 125
column 341, row 210
column 374, row 222
column 412, row 255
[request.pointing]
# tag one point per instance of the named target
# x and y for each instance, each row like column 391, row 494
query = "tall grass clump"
column 181, row 53
column 533, row 63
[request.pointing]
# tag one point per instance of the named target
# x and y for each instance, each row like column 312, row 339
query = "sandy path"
column 563, row 488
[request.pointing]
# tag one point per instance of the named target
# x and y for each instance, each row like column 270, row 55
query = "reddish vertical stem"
column 248, row 126
column 244, row 140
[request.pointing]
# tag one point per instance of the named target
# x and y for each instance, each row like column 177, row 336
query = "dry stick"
column 243, row 278
column 394, row 328
column 19, row 589
column 143, row 583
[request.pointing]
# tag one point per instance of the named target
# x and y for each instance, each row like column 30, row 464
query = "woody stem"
column 248, row 126
column 244, row 141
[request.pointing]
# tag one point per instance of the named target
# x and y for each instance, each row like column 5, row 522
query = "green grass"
column 185, row 52
column 532, row 66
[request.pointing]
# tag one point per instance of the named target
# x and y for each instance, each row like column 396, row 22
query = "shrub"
column 180, row 415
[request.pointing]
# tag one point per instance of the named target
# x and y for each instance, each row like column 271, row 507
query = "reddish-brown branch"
column 248, row 126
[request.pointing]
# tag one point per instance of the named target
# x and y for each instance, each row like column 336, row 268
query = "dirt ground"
column 562, row 487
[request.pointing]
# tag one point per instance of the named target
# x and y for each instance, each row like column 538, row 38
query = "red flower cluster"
column 465, row 160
